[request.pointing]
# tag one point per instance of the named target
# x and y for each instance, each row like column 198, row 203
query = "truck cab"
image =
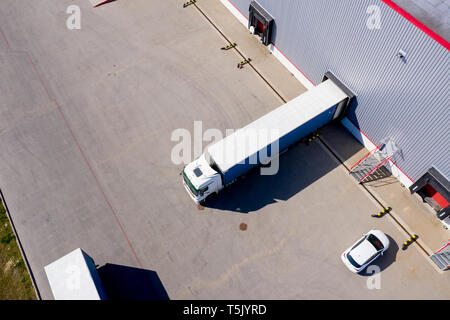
column 200, row 180
column 225, row 161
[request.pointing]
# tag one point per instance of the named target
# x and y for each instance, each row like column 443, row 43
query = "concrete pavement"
column 417, row 217
column 85, row 127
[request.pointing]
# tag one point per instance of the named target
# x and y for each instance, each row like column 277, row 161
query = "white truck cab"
column 200, row 180
column 225, row 161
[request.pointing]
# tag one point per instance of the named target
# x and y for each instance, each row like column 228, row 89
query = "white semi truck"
column 225, row 161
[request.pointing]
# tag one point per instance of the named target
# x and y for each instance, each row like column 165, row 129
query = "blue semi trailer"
column 261, row 141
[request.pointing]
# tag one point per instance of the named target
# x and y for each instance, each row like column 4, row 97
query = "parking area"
column 86, row 118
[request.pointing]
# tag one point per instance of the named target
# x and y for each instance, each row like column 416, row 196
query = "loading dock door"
column 343, row 106
column 262, row 21
column 434, row 185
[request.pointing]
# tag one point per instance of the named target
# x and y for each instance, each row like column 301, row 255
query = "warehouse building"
column 393, row 55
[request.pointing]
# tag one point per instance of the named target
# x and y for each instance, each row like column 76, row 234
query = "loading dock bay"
column 92, row 170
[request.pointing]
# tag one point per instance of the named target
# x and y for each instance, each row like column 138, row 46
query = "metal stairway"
column 442, row 257
column 366, row 169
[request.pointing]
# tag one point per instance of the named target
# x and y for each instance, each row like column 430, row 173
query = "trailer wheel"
column 209, row 197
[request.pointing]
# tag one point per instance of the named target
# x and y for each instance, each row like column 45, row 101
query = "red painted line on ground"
column 105, row 197
column 113, row 211
column 101, row 3
column 5, row 39
column 418, row 24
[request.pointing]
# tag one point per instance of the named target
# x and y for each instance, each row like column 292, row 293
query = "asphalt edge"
column 19, row 243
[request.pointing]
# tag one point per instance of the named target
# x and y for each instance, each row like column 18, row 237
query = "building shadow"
column 385, row 260
column 383, row 182
column 380, row 174
column 100, row 3
column 129, row 283
column 346, row 145
column 299, row 167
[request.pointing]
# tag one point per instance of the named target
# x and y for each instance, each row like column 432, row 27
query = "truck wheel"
column 210, row 196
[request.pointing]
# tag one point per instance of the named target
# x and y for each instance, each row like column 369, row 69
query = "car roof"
column 362, row 252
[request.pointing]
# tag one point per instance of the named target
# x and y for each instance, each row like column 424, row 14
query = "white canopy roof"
column 74, row 277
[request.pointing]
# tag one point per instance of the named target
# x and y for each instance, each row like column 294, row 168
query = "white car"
column 372, row 245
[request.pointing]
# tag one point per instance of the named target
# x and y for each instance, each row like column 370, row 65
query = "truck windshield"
column 189, row 184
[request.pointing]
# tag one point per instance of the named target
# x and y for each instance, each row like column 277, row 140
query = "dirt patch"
column 243, row 226
column 8, row 265
column 15, row 282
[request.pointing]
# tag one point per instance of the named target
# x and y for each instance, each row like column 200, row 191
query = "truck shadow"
column 128, row 283
column 299, row 167
column 384, row 261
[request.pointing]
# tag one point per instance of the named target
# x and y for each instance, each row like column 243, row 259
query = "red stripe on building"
column 388, row 2
column 418, row 24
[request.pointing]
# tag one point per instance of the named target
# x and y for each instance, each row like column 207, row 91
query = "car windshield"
column 375, row 242
column 352, row 261
column 189, row 184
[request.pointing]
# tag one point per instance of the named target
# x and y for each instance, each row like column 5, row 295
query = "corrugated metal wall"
column 407, row 101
